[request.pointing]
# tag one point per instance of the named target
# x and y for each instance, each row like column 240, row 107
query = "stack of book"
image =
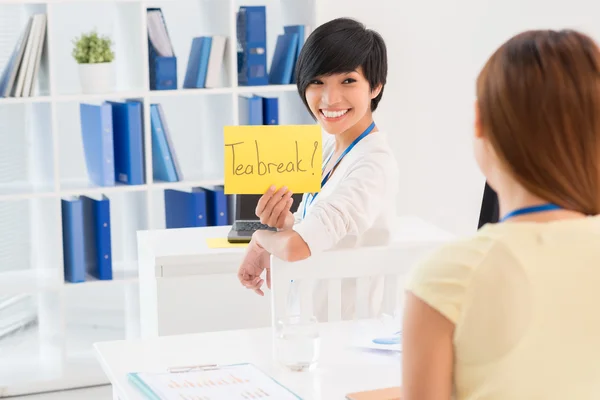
column 20, row 74
column 113, row 142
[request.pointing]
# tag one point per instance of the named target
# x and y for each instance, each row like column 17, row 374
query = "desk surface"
column 342, row 367
column 174, row 242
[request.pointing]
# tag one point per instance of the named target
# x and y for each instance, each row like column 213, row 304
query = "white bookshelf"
column 42, row 161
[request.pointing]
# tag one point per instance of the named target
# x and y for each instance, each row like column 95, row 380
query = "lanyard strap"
column 326, row 177
column 530, row 210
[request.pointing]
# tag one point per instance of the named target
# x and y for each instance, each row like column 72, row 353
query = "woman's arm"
column 286, row 245
column 427, row 352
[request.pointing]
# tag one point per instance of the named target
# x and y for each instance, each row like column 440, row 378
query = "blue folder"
column 216, row 206
column 250, row 110
column 252, row 36
column 74, row 260
column 195, row 76
column 270, row 108
column 162, row 70
column 97, row 133
column 98, row 249
column 284, row 58
column 128, row 142
column 163, row 165
column 300, row 30
column 185, row 209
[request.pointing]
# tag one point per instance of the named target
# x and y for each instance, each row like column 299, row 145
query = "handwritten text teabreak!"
column 259, row 156
column 260, row 167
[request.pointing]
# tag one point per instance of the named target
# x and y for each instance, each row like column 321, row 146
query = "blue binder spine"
column 270, row 107
column 97, row 134
column 252, row 44
column 301, row 31
column 97, row 233
column 162, row 164
column 217, row 207
column 250, row 110
column 128, row 142
column 284, row 58
column 167, row 133
column 162, row 70
column 74, row 260
column 185, row 209
column 195, row 76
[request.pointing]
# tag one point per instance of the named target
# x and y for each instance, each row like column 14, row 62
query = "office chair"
column 489, row 207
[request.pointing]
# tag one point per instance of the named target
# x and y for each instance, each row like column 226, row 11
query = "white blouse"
column 357, row 206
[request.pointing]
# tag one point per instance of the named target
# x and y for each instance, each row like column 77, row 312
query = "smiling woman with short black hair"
column 341, row 74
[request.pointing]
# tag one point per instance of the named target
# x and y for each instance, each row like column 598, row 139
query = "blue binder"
column 284, row 58
column 97, row 134
column 162, row 161
column 185, row 209
column 162, row 70
column 128, row 142
column 250, row 110
column 300, row 30
column 252, row 39
column 195, row 76
column 216, row 206
column 270, row 107
column 97, row 237
column 74, row 261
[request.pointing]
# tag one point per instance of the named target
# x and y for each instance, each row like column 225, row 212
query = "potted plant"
column 95, row 57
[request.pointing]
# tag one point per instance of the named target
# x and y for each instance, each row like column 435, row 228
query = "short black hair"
column 338, row 46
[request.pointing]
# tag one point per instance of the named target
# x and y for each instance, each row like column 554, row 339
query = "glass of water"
column 298, row 342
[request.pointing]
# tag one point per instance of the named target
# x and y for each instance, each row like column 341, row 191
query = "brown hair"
column 539, row 106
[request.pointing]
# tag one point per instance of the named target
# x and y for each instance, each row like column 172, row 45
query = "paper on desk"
column 222, row 243
column 242, row 381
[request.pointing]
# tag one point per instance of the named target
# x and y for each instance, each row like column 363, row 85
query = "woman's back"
column 524, row 299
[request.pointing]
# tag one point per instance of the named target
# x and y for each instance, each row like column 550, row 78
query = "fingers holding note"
column 273, row 208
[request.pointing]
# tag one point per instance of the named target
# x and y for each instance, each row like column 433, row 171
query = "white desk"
column 180, row 294
column 342, row 367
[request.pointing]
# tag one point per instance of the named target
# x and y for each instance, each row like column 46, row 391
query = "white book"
column 34, row 62
column 29, row 53
column 215, row 62
column 157, row 32
column 20, row 50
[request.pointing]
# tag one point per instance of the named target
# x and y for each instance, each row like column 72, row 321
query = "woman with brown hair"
column 512, row 312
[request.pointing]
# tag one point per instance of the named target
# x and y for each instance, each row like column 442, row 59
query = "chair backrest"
column 390, row 263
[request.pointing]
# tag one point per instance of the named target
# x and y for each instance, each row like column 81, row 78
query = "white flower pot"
column 97, row 78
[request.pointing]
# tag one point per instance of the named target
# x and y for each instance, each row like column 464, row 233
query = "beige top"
column 525, row 299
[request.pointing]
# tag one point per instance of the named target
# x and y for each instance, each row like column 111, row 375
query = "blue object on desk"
column 389, row 340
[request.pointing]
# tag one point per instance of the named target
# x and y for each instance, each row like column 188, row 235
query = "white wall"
column 436, row 49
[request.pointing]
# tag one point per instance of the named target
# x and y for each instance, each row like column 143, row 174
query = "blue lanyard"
column 530, row 210
column 326, row 177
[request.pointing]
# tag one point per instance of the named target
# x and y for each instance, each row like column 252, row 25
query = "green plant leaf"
column 91, row 48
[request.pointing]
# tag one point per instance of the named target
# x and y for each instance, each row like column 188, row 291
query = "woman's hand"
column 273, row 208
column 256, row 260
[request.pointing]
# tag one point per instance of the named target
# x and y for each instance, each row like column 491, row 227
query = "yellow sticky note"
column 222, row 243
column 259, row 156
